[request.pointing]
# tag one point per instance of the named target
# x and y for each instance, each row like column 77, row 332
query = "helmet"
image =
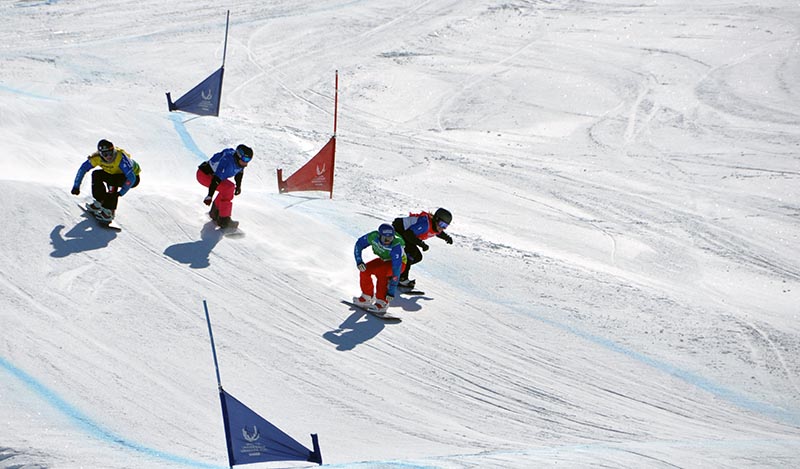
column 244, row 153
column 105, row 148
column 387, row 233
column 442, row 218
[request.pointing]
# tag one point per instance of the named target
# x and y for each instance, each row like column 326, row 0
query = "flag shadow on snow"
column 358, row 328
column 85, row 236
column 196, row 253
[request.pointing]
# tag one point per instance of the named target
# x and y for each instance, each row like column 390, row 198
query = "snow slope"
column 623, row 288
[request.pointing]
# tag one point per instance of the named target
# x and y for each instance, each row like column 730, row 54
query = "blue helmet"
column 387, row 233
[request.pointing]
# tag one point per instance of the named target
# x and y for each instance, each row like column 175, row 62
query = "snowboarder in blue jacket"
column 215, row 174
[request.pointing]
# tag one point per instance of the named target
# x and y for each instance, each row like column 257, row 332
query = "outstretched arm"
column 397, row 269
column 446, row 237
column 130, row 177
column 238, row 180
column 361, row 243
column 86, row 166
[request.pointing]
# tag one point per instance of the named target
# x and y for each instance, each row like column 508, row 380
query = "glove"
column 237, row 191
column 423, row 245
column 446, row 237
column 207, row 200
column 76, row 190
column 362, row 267
column 389, row 299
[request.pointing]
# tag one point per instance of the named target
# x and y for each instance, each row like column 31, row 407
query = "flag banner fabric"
column 203, row 99
column 252, row 439
column 316, row 175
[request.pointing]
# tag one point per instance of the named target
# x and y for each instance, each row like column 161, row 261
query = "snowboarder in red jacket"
column 415, row 229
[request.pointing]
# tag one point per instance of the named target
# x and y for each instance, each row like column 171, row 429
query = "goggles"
column 443, row 225
column 243, row 157
column 106, row 153
column 387, row 240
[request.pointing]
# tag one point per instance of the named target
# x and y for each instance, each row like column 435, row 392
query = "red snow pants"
column 382, row 270
column 224, row 200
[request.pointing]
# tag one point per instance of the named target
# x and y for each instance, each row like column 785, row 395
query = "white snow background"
column 624, row 285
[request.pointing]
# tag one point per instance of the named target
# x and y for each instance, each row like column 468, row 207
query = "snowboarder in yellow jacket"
column 118, row 173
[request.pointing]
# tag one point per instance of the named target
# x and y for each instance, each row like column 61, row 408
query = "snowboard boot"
column 105, row 215
column 362, row 301
column 214, row 212
column 407, row 284
column 226, row 222
column 94, row 207
column 380, row 307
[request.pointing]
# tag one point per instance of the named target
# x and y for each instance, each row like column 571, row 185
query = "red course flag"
column 316, row 175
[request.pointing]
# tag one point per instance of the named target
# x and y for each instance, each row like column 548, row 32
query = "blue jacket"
column 224, row 164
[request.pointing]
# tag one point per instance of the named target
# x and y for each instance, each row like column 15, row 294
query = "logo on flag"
column 251, row 437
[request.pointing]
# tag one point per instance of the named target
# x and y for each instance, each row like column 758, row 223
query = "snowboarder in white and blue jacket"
column 415, row 229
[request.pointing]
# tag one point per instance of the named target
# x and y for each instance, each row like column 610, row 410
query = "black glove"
column 207, row 200
column 76, row 190
column 446, row 237
column 423, row 245
column 237, row 191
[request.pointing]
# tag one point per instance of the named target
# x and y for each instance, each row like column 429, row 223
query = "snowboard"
column 386, row 316
column 107, row 225
column 232, row 230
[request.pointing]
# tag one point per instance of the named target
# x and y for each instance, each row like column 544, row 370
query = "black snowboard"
column 109, row 226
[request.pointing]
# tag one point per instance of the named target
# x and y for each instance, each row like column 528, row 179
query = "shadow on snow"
column 196, row 253
column 85, row 236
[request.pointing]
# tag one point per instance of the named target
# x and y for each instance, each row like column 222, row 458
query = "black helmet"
column 104, row 145
column 105, row 148
column 244, row 153
column 442, row 216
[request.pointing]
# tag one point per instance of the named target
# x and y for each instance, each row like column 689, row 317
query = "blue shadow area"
column 85, row 236
column 196, row 254
column 357, row 329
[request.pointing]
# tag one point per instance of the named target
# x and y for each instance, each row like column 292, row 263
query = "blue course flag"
column 251, row 439
column 203, row 99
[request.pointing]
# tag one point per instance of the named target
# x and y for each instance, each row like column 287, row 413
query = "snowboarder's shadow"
column 410, row 303
column 85, row 236
column 358, row 328
column 196, row 253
